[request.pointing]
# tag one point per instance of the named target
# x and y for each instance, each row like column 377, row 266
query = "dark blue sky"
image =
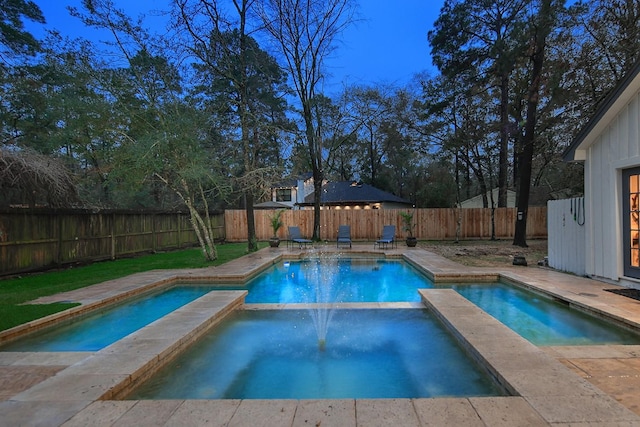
column 388, row 45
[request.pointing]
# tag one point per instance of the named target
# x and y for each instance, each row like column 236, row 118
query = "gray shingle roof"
column 345, row 192
column 271, row 205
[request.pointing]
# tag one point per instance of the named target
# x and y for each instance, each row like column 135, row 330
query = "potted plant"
column 276, row 223
column 408, row 225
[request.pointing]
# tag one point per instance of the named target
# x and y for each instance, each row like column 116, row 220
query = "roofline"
column 386, row 196
column 589, row 132
column 351, row 202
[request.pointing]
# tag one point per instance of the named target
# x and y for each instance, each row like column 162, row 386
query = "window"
column 631, row 221
column 283, row 195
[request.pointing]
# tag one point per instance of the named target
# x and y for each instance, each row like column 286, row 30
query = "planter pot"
column 274, row 243
column 412, row 242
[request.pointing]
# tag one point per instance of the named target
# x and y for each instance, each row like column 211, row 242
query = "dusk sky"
column 388, row 45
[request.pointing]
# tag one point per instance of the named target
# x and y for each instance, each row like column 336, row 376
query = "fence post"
column 153, row 233
column 59, row 255
column 113, row 235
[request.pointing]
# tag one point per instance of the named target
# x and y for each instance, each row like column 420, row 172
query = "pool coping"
column 546, row 391
column 522, row 368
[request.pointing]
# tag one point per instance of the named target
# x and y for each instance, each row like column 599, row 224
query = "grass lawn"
column 16, row 291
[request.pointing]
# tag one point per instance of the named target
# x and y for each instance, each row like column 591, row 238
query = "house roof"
column 271, row 205
column 611, row 105
column 347, row 192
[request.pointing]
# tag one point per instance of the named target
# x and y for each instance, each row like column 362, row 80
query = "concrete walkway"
column 594, row 385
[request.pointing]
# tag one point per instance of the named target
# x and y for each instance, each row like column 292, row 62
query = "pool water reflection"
column 354, row 280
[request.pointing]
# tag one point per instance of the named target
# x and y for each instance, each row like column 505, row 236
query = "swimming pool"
column 542, row 320
column 100, row 329
column 329, row 280
column 343, row 280
column 370, row 353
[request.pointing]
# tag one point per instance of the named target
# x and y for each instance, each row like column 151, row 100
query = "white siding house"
column 609, row 146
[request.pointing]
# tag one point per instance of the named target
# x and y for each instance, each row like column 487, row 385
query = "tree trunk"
column 503, row 167
column 315, row 154
column 252, row 240
column 526, row 155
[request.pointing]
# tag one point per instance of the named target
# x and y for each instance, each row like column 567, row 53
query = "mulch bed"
column 630, row 293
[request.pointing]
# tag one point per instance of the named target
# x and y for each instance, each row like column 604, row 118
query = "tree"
column 371, row 110
column 305, row 33
column 242, row 82
column 334, row 128
column 483, row 38
column 455, row 112
column 543, row 24
column 13, row 37
column 165, row 142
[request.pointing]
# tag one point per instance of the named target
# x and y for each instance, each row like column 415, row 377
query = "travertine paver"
column 264, row 413
column 551, row 392
column 447, row 411
column 148, row 413
column 203, row 413
column 506, row 412
column 71, row 388
column 586, row 410
column 623, row 388
column 101, row 413
column 386, row 412
column 38, row 413
column 325, row 413
column 15, row 379
column 613, row 369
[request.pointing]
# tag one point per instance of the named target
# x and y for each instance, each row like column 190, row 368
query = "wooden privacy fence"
column 36, row 240
column 366, row 225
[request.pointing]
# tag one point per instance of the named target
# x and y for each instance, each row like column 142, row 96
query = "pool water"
column 369, row 353
column 541, row 320
column 348, row 280
column 98, row 330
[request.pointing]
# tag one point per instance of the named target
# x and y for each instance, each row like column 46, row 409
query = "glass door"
column 631, row 221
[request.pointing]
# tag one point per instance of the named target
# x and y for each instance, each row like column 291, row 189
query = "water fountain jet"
column 322, row 293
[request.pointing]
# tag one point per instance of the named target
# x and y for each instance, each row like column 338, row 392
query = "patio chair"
column 388, row 238
column 344, row 235
column 296, row 237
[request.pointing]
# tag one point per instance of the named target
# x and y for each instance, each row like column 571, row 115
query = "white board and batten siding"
column 615, row 148
column 566, row 221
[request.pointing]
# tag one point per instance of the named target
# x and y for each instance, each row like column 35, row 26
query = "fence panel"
column 84, row 237
column 35, row 240
column 27, row 240
column 366, row 224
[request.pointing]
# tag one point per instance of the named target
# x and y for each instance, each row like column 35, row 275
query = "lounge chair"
column 388, row 237
column 296, row 237
column 344, row 235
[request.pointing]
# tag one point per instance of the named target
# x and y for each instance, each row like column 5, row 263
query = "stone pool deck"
column 586, row 386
